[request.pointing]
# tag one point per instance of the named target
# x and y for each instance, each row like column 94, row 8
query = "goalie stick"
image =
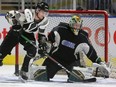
column 72, row 73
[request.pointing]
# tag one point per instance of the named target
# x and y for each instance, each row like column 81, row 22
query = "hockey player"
column 68, row 39
column 24, row 24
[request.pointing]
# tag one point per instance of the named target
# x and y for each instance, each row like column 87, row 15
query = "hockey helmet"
column 43, row 6
column 75, row 23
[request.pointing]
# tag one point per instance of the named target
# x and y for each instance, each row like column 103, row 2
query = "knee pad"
column 82, row 47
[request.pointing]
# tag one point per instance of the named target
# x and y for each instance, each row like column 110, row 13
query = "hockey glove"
column 102, row 70
column 42, row 49
column 42, row 45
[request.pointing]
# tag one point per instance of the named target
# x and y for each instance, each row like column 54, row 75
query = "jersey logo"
column 68, row 44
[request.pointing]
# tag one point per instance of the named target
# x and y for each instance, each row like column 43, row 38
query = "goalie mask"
column 75, row 23
column 42, row 6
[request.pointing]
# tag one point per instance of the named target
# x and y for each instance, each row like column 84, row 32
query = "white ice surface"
column 8, row 79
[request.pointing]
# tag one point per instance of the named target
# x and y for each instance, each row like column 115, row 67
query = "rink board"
column 10, row 60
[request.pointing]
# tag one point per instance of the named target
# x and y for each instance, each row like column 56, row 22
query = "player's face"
column 77, row 26
column 41, row 14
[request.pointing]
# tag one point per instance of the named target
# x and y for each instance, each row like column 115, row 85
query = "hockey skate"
column 23, row 75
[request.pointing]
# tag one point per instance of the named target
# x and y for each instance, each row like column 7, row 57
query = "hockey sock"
column 25, row 64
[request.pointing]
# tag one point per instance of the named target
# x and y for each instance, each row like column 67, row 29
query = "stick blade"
column 90, row 80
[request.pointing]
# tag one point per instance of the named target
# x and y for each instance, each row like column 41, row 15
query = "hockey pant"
column 53, row 68
column 8, row 43
column 11, row 40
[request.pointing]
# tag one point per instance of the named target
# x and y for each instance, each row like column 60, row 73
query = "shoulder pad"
column 28, row 15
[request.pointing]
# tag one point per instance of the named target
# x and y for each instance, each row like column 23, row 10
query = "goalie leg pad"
column 41, row 75
column 77, row 77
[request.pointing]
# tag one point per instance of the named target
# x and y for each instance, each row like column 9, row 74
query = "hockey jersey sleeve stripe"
column 30, row 27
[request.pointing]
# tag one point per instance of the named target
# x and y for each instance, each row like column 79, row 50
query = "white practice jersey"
column 34, row 26
column 26, row 19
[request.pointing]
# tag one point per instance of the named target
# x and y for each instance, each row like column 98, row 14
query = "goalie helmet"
column 75, row 23
column 42, row 6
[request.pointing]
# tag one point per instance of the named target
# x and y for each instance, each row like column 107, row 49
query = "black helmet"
column 43, row 6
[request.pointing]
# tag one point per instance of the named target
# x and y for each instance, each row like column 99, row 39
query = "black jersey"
column 67, row 42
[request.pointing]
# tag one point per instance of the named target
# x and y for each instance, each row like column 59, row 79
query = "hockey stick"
column 72, row 73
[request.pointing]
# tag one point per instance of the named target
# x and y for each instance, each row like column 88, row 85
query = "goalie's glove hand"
column 103, row 69
column 42, row 49
column 42, row 53
column 43, row 46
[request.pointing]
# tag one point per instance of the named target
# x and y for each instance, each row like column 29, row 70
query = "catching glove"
column 42, row 45
column 42, row 49
column 103, row 70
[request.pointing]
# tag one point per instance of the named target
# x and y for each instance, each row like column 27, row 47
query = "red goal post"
column 95, row 22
